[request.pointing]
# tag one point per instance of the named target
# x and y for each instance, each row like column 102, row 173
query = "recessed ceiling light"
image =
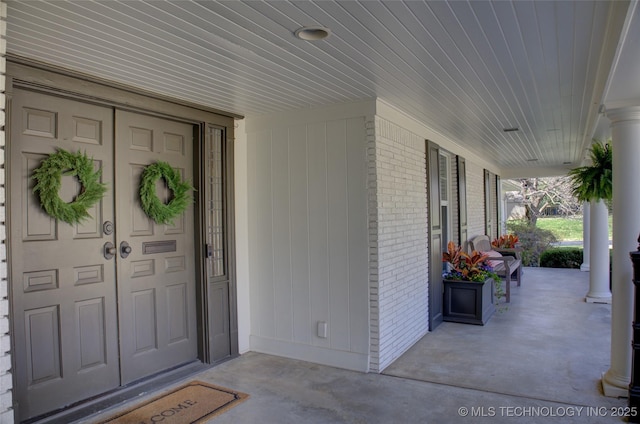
column 312, row 33
column 512, row 129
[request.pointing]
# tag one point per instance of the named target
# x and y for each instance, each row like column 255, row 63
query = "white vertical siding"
column 240, row 182
column 318, row 231
column 299, row 212
column 6, row 400
column 338, row 233
column 308, row 231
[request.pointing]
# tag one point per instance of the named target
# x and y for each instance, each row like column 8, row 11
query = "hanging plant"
column 48, row 178
column 155, row 209
column 595, row 182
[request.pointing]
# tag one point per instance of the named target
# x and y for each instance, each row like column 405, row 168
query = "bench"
column 505, row 262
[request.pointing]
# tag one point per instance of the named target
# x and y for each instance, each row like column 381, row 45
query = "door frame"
column 436, row 287
column 55, row 81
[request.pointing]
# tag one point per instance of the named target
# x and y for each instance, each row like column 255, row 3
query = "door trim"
column 92, row 87
column 436, row 288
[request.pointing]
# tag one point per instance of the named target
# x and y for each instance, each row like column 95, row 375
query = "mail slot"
column 151, row 247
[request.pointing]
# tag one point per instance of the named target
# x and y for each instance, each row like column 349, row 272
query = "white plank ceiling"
column 467, row 69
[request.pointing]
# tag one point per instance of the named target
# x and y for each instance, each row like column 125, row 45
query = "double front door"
column 89, row 314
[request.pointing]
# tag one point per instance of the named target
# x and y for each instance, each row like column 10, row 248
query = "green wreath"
column 48, row 178
column 155, row 209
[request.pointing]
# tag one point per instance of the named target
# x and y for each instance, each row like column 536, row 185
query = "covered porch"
column 340, row 154
column 544, row 355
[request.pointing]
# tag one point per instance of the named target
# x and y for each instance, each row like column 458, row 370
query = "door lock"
column 125, row 249
column 107, row 228
column 109, row 250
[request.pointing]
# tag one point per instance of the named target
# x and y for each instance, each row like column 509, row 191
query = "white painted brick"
column 475, row 199
column 7, row 417
column 6, row 382
column 6, row 401
column 5, row 344
column 398, row 212
column 5, row 363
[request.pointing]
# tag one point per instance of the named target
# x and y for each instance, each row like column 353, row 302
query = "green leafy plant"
column 48, row 178
column 154, row 208
column 595, row 182
column 566, row 257
column 532, row 240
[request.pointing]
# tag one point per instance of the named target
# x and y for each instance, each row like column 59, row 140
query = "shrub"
column 533, row 240
column 563, row 257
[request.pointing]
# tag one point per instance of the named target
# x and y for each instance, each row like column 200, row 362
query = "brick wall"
column 6, row 413
column 398, row 241
column 475, row 199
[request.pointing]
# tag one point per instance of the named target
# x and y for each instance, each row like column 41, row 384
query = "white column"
column 625, row 125
column 599, row 254
column 586, row 232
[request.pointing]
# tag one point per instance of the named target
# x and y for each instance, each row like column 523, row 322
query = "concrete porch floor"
column 540, row 361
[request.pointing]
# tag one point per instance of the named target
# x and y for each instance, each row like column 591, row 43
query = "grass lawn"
column 565, row 228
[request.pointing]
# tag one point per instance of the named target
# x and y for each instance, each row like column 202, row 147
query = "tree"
column 538, row 194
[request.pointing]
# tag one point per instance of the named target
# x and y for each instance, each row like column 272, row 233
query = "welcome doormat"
column 195, row 402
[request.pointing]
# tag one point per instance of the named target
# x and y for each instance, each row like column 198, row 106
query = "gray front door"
column 83, row 324
column 156, row 282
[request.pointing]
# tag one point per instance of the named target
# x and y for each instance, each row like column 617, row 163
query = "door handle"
column 109, row 250
column 125, row 249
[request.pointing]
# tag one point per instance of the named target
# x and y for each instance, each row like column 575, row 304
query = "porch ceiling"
column 467, row 69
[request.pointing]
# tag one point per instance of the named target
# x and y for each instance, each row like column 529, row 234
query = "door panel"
column 63, row 289
column 156, row 282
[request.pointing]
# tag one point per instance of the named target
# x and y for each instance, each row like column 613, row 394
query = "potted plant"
column 595, row 181
column 507, row 241
column 507, row 245
column 471, row 288
column 594, row 184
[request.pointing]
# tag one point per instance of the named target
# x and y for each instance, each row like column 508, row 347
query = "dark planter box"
column 468, row 302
